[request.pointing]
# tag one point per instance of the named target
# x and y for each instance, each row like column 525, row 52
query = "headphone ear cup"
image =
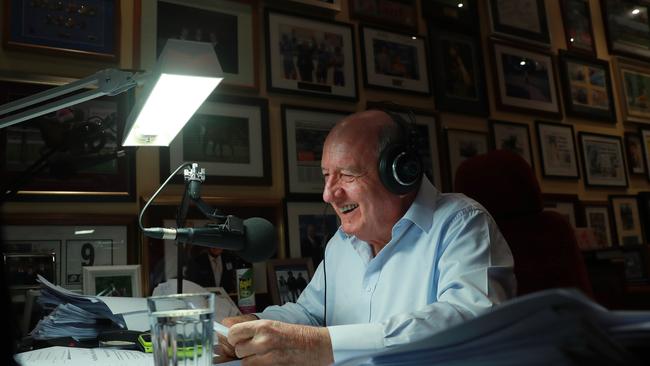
column 399, row 169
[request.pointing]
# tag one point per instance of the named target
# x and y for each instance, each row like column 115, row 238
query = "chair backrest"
column 543, row 243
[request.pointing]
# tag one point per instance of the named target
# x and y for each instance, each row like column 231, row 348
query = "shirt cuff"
column 355, row 339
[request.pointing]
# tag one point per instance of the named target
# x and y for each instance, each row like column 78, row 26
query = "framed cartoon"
column 633, row 79
column 557, row 150
column 459, row 15
column 525, row 80
column 512, row 136
column 73, row 154
column 578, row 31
column 325, row 4
column 117, row 281
column 587, row 87
column 645, row 145
column 305, row 130
column 310, row 225
column 288, row 278
column 598, row 217
column 564, row 204
column 458, row 74
column 462, row 145
column 521, row 19
column 634, row 153
column 400, row 14
column 90, row 29
column 602, row 160
column 229, row 137
column 627, row 27
column 394, row 61
column 627, row 221
column 293, row 42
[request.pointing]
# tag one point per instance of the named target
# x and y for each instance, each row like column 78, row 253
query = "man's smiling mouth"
column 347, row 208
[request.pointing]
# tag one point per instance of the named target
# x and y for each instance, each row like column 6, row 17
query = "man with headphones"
column 406, row 262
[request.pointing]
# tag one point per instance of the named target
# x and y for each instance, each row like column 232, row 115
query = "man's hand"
column 269, row 342
column 224, row 349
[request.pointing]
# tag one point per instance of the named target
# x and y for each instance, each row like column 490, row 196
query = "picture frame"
column 602, row 160
column 397, row 14
column 310, row 226
column 627, row 27
column 334, row 5
column 522, row 20
column 450, row 15
column 513, row 137
column 645, row 144
column 634, row 153
column 89, row 30
column 557, row 150
column 120, row 281
column 462, row 145
column 564, row 204
column 394, row 61
column 643, row 199
column 597, row 216
column 587, row 87
column 277, row 269
column 578, row 28
column 73, row 154
column 22, row 269
column 525, row 80
column 305, row 130
column 229, row 137
column 458, row 73
column 627, row 221
column 289, row 52
column 633, row 79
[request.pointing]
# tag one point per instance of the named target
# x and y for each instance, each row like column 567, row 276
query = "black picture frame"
column 309, row 227
column 396, row 14
column 627, row 27
column 636, row 164
column 578, row 28
column 512, row 19
column 643, row 199
column 603, row 160
column 633, row 79
column 627, row 220
column 512, row 136
column 597, row 215
column 449, row 15
column 645, row 144
column 277, row 268
column 557, row 150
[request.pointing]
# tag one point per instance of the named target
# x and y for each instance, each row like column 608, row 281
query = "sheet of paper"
column 70, row 356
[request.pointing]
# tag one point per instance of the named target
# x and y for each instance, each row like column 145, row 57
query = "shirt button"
column 368, row 289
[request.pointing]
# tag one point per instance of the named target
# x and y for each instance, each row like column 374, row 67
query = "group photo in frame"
column 627, row 27
column 397, row 14
column 634, row 153
column 598, row 217
column 578, row 28
column 115, row 281
column 557, row 150
column 288, row 278
column 524, row 20
column 602, row 160
column 462, row 145
column 627, row 220
column 310, row 225
column 459, row 15
column 633, row 79
column 513, row 137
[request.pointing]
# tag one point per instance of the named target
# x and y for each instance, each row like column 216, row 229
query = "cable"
column 146, row 205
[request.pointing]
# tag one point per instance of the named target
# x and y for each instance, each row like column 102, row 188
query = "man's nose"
column 330, row 190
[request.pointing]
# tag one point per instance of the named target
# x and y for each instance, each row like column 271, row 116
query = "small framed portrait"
column 462, row 145
column 459, row 15
column 557, row 150
column 627, row 27
column 458, row 73
column 116, row 281
column 564, row 204
column 334, row 5
column 627, row 221
column 394, row 61
column 645, row 145
column 633, row 79
column 512, row 136
column 525, row 80
column 22, row 269
column 229, row 137
column 398, row 14
column 288, row 278
column 524, row 20
column 634, row 153
column 602, row 160
column 310, row 225
column 598, row 217
column 310, row 56
column 578, row 31
column 587, row 87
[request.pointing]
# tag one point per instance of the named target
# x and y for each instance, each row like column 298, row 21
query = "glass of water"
column 182, row 329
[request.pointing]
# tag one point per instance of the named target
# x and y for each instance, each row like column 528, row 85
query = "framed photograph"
column 557, row 150
column 394, row 61
column 76, row 241
column 22, row 269
column 643, row 199
column 587, row 87
column 627, row 221
column 305, row 130
column 73, row 154
column 636, row 263
column 633, row 79
column 602, row 160
column 229, row 137
column 310, row 56
column 634, row 152
column 525, row 80
column 564, row 204
column 512, row 136
column 645, row 145
column 598, row 217
column 310, row 225
column 578, row 31
column 399, row 14
column 521, row 19
column 325, row 4
column 459, row 15
column 90, row 29
column 458, row 74
column 288, row 278
column 117, row 281
column 462, row 145
column 627, row 27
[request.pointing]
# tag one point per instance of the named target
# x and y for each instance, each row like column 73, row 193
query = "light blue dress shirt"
column 446, row 262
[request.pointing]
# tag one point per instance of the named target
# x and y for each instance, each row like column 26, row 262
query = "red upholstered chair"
column 543, row 243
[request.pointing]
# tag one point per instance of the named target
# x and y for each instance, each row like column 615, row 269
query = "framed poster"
column 557, row 150
column 288, row 278
column 625, row 210
column 602, row 160
column 512, row 136
column 310, row 225
column 627, row 27
column 400, row 14
column 229, row 137
column 459, row 15
column 394, row 61
column 293, row 42
column 598, row 217
column 119, row 281
column 462, row 145
column 633, row 79
column 521, row 19
column 564, row 204
column 634, row 153
column 578, row 31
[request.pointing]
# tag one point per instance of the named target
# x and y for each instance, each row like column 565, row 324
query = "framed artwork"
column 521, row 19
column 76, row 241
column 459, row 15
column 229, row 137
column 633, row 80
column 627, row 221
column 458, row 74
column 645, row 144
column 557, row 150
column 525, row 80
column 512, row 136
column 325, row 4
column 587, row 87
column 462, row 145
column 288, row 278
column 22, row 269
column 643, row 199
column 305, row 130
column 394, row 61
column 90, row 29
column 73, row 154
column 310, row 225
column 636, row 263
column 634, row 152
column 602, row 160
column 598, row 217
column 394, row 13
column 578, row 31
column 120, row 281
column 627, row 27
column 564, row 204
column 293, row 42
